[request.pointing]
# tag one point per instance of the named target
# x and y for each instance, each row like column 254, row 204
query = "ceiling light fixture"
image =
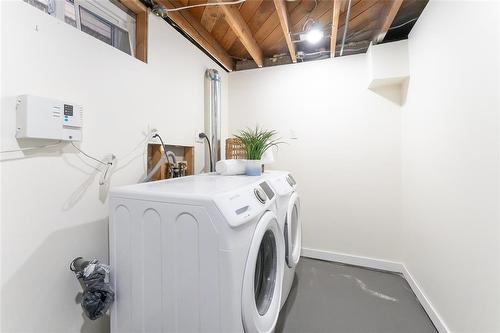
column 314, row 35
column 312, row 32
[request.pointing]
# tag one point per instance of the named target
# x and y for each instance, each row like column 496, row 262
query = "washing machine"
column 196, row 254
column 288, row 213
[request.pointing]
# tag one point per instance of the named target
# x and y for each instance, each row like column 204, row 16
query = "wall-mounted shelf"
column 389, row 71
column 182, row 153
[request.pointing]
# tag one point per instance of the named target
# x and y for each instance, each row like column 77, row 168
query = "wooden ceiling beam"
column 391, row 14
column 243, row 32
column 285, row 26
column 210, row 17
column 197, row 32
column 134, row 5
column 335, row 27
column 247, row 10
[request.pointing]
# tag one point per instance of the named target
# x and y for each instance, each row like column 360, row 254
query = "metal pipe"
column 213, row 123
column 345, row 27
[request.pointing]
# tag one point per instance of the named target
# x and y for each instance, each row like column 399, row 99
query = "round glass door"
column 293, row 231
column 263, row 277
column 265, row 273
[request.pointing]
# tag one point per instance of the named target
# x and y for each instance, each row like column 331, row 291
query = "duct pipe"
column 213, row 115
column 348, row 15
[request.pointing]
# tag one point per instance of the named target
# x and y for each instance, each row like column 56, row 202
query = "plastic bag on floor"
column 97, row 293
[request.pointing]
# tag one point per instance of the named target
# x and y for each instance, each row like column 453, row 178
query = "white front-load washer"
column 196, row 254
column 288, row 213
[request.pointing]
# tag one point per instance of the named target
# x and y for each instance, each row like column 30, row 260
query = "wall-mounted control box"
column 44, row 118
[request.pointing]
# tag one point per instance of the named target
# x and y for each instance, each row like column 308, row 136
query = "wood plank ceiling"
column 260, row 33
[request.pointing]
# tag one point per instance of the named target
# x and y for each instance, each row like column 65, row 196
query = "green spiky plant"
column 257, row 141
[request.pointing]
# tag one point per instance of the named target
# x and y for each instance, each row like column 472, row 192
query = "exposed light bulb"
column 313, row 36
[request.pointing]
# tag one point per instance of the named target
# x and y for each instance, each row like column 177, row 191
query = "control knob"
column 260, row 195
column 291, row 180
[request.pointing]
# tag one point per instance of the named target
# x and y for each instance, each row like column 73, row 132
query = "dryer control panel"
column 282, row 186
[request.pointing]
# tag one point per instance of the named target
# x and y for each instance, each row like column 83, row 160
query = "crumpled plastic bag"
column 97, row 293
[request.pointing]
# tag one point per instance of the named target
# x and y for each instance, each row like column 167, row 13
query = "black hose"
column 204, row 136
column 163, row 145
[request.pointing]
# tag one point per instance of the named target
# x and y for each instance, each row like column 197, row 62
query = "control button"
column 241, row 210
column 260, row 195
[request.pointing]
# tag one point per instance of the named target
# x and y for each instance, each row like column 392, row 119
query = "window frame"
column 111, row 11
column 141, row 27
column 107, row 11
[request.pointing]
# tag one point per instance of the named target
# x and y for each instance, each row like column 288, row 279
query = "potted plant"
column 256, row 142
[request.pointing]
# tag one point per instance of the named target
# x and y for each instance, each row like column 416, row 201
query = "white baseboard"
column 426, row 303
column 385, row 265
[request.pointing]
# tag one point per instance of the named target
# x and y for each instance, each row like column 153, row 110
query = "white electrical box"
column 44, row 118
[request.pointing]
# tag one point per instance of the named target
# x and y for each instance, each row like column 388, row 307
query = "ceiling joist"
column 243, row 32
column 210, row 16
column 285, row 26
column 198, row 33
column 262, row 33
column 335, row 27
column 134, row 5
column 391, row 14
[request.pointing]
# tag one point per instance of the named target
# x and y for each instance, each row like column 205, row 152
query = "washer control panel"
column 241, row 206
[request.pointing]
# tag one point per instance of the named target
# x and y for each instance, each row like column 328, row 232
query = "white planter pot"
column 253, row 168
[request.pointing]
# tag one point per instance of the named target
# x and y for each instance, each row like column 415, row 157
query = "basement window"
column 49, row 7
column 111, row 23
column 96, row 23
column 107, row 22
column 69, row 13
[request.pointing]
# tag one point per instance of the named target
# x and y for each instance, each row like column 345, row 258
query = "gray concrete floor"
column 329, row 297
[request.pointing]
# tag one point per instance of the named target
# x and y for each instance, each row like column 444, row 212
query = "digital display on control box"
column 68, row 110
column 267, row 189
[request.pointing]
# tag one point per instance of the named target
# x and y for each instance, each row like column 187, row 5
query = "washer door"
column 293, row 231
column 262, row 282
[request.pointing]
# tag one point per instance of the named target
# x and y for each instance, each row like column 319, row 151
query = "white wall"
column 51, row 209
column 417, row 184
column 450, row 160
column 347, row 155
column 356, row 155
